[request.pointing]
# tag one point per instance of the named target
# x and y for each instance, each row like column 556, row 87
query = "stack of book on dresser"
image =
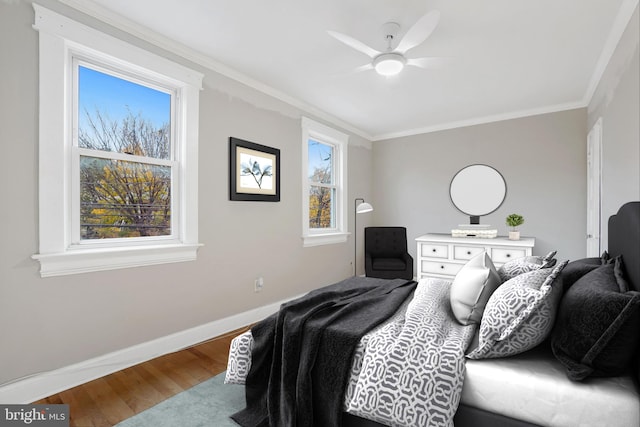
column 474, row 230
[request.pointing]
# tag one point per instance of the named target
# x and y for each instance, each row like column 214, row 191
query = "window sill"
column 90, row 260
column 324, row 239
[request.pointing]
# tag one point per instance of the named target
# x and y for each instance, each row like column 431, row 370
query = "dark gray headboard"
column 624, row 239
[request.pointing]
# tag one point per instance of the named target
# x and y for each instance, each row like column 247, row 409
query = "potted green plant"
column 513, row 221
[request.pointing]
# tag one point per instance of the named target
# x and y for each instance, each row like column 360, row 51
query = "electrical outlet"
column 259, row 284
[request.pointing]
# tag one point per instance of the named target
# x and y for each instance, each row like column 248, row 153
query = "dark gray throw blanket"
column 301, row 355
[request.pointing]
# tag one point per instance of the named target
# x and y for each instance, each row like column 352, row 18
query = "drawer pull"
column 468, row 252
column 442, row 267
column 433, row 250
column 508, row 255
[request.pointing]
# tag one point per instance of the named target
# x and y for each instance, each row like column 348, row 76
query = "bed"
column 561, row 352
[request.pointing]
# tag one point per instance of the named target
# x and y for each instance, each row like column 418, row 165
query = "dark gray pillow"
column 576, row 269
column 597, row 330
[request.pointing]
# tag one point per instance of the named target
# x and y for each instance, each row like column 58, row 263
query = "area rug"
column 207, row 404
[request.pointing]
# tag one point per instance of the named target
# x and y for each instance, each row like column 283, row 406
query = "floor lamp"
column 358, row 208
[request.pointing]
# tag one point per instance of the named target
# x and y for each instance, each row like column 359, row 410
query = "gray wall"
column 542, row 159
column 616, row 100
column 55, row 322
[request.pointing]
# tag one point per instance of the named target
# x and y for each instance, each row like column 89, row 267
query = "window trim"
column 326, row 135
column 60, row 39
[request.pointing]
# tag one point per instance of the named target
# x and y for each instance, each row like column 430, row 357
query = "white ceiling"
column 506, row 58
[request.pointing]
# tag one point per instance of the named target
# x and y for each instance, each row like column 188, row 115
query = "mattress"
column 533, row 387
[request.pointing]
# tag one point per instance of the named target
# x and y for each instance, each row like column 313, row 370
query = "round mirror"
column 477, row 190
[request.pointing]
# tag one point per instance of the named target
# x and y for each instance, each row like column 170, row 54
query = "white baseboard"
column 41, row 385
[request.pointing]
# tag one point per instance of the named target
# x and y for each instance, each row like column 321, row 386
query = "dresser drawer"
column 434, row 251
column 502, row 255
column 466, row 252
column 435, row 267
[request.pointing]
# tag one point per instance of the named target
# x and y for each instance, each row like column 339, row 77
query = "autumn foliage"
column 125, row 178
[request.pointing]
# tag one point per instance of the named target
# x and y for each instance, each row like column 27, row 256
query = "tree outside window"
column 324, row 189
column 321, row 188
column 125, row 158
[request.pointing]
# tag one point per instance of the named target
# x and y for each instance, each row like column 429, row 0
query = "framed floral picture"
column 254, row 171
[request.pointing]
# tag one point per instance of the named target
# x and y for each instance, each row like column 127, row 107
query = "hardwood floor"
column 106, row 401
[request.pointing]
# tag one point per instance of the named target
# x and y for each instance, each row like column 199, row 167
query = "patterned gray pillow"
column 239, row 362
column 520, row 314
column 518, row 266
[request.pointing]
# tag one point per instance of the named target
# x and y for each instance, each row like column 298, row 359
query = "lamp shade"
column 364, row 207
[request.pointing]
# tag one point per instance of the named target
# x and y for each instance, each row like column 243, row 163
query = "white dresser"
column 442, row 256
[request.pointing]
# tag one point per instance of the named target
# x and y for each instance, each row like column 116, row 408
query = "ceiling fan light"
column 389, row 64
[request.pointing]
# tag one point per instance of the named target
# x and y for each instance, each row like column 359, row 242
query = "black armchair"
column 385, row 253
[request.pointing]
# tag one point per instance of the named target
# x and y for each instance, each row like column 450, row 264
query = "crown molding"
column 620, row 24
column 122, row 23
column 482, row 120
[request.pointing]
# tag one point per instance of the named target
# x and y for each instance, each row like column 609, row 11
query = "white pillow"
column 472, row 287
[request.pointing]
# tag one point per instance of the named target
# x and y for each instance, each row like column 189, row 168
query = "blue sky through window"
column 320, row 157
column 116, row 97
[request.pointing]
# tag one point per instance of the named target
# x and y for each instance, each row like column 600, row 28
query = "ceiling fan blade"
column 364, row 67
column 430, row 62
column 356, row 70
column 419, row 32
column 355, row 44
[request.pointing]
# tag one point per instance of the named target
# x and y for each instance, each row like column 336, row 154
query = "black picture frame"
column 254, row 171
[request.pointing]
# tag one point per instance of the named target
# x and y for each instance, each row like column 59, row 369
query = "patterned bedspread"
column 408, row 371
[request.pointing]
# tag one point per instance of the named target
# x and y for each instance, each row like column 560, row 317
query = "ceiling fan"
column 393, row 60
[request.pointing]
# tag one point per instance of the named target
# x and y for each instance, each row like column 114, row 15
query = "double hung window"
column 324, row 184
column 118, row 152
column 124, row 159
